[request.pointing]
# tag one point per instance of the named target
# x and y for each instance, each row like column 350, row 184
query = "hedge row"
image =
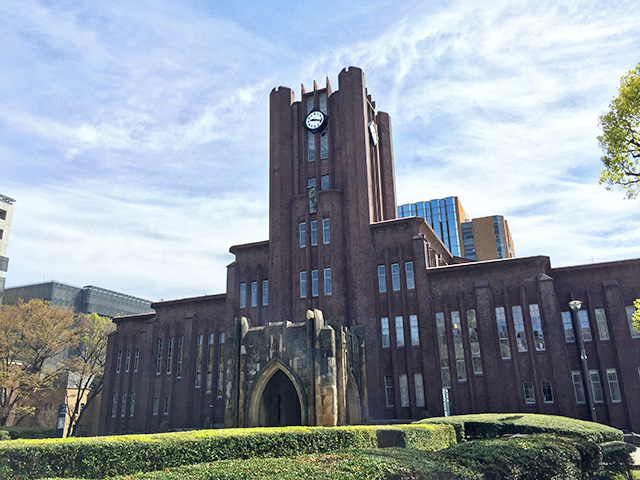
column 14, row 433
column 99, row 457
column 489, row 425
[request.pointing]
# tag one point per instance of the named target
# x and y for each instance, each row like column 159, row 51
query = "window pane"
column 458, row 348
column 243, row 295
column 408, row 269
column 404, row 390
column 585, row 331
column 179, row 360
column 311, row 146
column 399, row 332
column 311, row 182
column 596, row 387
column 567, row 324
column 199, row 352
column 384, row 325
column 614, row 386
column 265, row 292
column 601, row 322
column 169, row 353
column 443, row 350
column 474, row 342
column 326, row 232
column 302, row 234
column 324, row 182
column 578, row 386
column 324, row 144
column 503, row 334
column 635, row 333
column 210, row 359
column 395, row 276
column 388, row 390
column 303, row 284
column 159, row 357
column 327, row 281
column 254, row 294
column 415, row 335
column 382, row 279
column 314, row 232
column 221, row 344
column 419, row 386
column 314, row 283
column 547, row 392
column 518, row 325
column 536, row 327
column 529, row 394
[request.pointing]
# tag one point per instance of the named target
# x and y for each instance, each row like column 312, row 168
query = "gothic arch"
column 257, row 391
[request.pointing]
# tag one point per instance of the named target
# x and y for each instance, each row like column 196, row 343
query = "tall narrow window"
column 209, row 380
column 547, row 392
column 327, row 281
column 159, row 357
column 179, row 360
column 395, row 276
column 127, row 360
column 136, row 359
column 536, row 327
column 614, row 386
column 265, row 292
column 311, row 182
column 118, row 361
column 324, row 144
column 404, row 390
column 585, row 331
column 596, row 386
column 132, row 404
column 388, row 391
column 199, row 361
column 384, row 325
column 303, row 284
column 458, row 348
column 243, row 295
column 114, row 405
column 324, row 182
column 169, row 353
column 311, row 146
column 443, row 350
column 302, row 234
column 326, row 231
column 399, row 332
column 154, row 410
column 567, row 324
column 503, row 333
column 254, row 294
column 578, row 386
column 165, row 406
column 314, row 283
column 415, row 335
column 123, row 405
column 408, row 270
column 474, row 342
column 419, row 386
column 518, row 325
column 220, row 364
column 635, row 333
column 382, row 279
column 529, row 393
column 314, row 232
column 601, row 322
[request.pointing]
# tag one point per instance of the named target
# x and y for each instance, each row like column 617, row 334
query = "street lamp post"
column 575, row 305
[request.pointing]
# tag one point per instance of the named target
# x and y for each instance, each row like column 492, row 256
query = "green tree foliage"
column 32, row 334
column 620, row 139
column 636, row 314
column 85, row 365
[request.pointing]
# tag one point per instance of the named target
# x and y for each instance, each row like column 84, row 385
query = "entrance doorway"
column 280, row 404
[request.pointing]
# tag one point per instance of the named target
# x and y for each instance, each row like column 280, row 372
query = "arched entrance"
column 354, row 415
column 280, row 404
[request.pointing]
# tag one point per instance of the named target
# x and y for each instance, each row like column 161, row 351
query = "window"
column 569, row 334
column 384, row 325
column 114, row 405
column 199, row 360
column 419, row 386
column 118, row 361
column 324, row 144
column 123, row 405
column 601, row 322
column 536, row 327
column 518, row 325
column 395, row 276
column 127, row 360
column 503, row 334
column 596, row 387
column 311, row 146
column 265, row 292
column 388, row 390
column 614, row 386
column 408, row 270
column 243, row 295
column 382, row 279
column 578, row 386
column 155, row 406
column 220, row 364
column 399, row 332
column 169, row 352
column 324, row 182
column 136, row 359
column 635, row 333
column 311, row 182
column 302, row 234
column 165, row 406
column 443, row 350
column 254, row 294
column 314, row 233
column 327, row 281
column 303, row 284
column 314, row 283
column 404, row 390
column 179, row 362
column 326, row 231
column 547, row 392
column 474, row 342
column 415, row 335
column 209, row 380
column 585, row 331
column 132, row 404
column 529, row 393
column 159, row 357
column 458, row 348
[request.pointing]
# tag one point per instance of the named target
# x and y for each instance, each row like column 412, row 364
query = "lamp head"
column 575, row 305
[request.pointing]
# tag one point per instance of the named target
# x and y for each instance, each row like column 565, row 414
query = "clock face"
column 315, row 121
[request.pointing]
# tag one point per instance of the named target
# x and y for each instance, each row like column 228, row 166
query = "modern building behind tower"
column 6, row 212
column 487, row 238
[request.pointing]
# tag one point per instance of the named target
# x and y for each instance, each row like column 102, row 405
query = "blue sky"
column 134, row 135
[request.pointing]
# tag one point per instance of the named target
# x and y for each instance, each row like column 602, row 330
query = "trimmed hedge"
column 15, row 433
column 119, row 455
column 490, row 425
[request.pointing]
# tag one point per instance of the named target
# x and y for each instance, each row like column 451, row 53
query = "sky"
column 134, row 135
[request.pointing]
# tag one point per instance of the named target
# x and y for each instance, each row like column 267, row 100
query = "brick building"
column 348, row 314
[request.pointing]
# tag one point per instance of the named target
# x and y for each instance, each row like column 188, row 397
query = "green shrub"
column 4, row 435
column 616, row 456
column 489, row 425
column 104, row 456
column 16, row 433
